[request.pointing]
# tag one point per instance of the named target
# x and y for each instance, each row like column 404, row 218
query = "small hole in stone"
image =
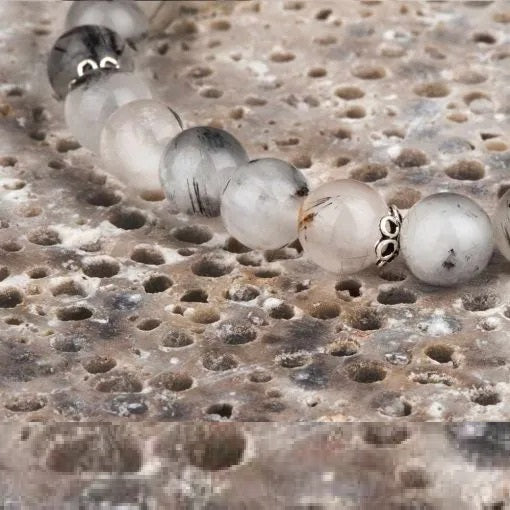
column 350, row 287
column 282, row 56
column 267, row 273
column 342, row 161
column 152, row 195
column 483, row 37
column 195, row 296
column 8, row 161
column 68, row 287
column 234, row 246
column 237, row 333
column 44, row 237
column 13, row 321
column 120, row 382
column 157, row 283
column 177, row 338
column 103, row 197
column 479, row 302
column 433, row 89
column 366, row 372
column 384, row 435
column 404, row 198
column 100, row 267
column 349, row 93
column 343, row 133
column 4, row 273
column 392, row 275
column 64, row 145
column 212, row 267
column 260, row 376
column 365, row 72
column 355, row 112
column 10, row 297
column 441, row 353
column 73, row 313
column 496, row 146
column 317, row 72
column 206, row 315
column 11, row 246
column 410, row 158
column 486, row 397
column 221, row 410
column 396, row 296
column 293, row 359
column 127, row 218
column 196, row 234
column 364, row 319
column 215, row 448
column 217, row 361
column 343, row 348
column 98, row 364
column 242, row 292
column 148, row 324
column 466, row 170
column 25, row 403
column 37, row 273
column 67, row 344
column 325, row 311
column 249, row 259
column 29, row 211
column 211, row 93
column 370, row 172
column 145, row 254
column 220, row 24
column 282, row 311
column 172, row 381
column 15, row 185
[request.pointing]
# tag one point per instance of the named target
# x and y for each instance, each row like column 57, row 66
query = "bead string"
column 344, row 226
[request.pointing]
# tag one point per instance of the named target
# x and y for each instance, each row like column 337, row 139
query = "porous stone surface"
column 114, row 309
column 254, row 466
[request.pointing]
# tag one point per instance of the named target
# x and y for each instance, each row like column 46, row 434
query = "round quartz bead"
column 196, row 167
column 260, row 204
column 84, row 49
column 94, row 97
column 339, row 225
column 133, row 140
column 122, row 16
column 446, row 239
column 501, row 223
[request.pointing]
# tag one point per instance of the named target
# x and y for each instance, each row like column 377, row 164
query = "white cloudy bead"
column 133, row 140
column 260, row 204
column 122, row 16
column 339, row 225
column 446, row 239
column 501, row 222
column 196, row 166
column 94, row 97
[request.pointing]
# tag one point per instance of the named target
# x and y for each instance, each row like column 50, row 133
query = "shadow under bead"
column 196, row 167
column 93, row 43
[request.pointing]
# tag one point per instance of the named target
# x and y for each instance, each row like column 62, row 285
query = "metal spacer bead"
column 388, row 246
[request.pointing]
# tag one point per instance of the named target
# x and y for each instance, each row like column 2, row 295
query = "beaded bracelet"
column 344, row 226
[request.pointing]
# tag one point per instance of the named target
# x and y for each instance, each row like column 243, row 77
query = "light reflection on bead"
column 122, row 16
column 94, row 97
column 81, row 50
column 501, row 222
column 196, row 166
column 446, row 239
column 339, row 225
column 133, row 140
column 261, row 202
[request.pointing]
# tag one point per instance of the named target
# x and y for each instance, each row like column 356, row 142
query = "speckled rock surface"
column 114, row 309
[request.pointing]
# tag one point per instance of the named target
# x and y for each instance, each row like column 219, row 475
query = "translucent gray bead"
column 501, row 222
column 94, row 97
column 121, row 16
column 196, row 167
column 339, row 225
column 446, row 239
column 260, row 204
column 87, row 47
column 133, row 140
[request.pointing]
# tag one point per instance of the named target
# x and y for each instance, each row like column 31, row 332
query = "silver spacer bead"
column 388, row 247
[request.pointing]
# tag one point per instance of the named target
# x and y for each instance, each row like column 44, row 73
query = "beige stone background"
column 409, row 96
